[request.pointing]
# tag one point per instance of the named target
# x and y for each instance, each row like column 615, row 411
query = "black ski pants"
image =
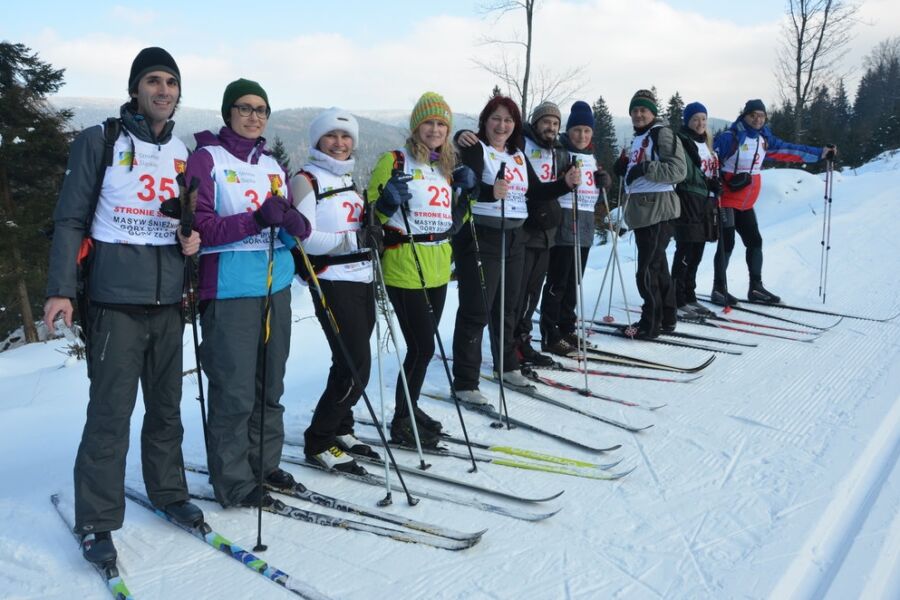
column 353, row 306
column 418, row 332
column 471, row 316
column 533, row 274
column 232, row 357
column 748, row 228
column 126, row 348
column 560, row 296
column 687, row 259
column 654, row 282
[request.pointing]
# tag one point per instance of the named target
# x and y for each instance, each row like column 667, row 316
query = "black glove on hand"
column 602, row 179
column 638, row 170
column 371, row 236
column 714, row 185
column 621, row 165
column 394, row 193
column 464, row 179
column 271, row 213
column 831, row 150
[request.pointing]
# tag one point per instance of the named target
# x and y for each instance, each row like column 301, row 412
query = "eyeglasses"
column 262, row 112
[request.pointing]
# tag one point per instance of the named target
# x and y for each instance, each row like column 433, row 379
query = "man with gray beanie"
column 128, row 276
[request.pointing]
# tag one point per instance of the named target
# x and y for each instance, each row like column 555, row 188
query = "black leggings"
column 654, row 282
column 747, row 227
column 418, row 332
column 688, row 256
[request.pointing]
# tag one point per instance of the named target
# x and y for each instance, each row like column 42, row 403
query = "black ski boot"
column 186, row 513
column 757, row 293
column 640, row 331
column 251, row 500
column 402, row 433
column 530, row 356
column 722, row 298
column 280, row 479
column 423, row 420
column 98, row 548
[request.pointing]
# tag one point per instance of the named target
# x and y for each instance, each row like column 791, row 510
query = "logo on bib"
column 231, row 176
column 518, row 160
column 126, row 159
column 275, row 180
column 535, row 154
column 417, row 174
column 179, row 165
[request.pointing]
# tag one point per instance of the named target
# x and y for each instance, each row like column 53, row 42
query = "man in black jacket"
column 109, row 209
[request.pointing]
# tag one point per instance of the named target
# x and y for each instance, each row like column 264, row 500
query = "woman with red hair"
column 500, row 144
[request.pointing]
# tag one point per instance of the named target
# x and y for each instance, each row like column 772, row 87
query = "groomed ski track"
column 773, row 475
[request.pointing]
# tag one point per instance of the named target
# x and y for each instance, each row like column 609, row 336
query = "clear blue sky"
column 363, row 54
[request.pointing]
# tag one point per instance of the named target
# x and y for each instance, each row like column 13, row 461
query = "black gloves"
column 638, row 170
column 602, row 179
column 714, row 185
column 371, row 236
column 621, row 165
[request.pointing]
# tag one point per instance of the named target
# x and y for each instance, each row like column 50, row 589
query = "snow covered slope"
column 774, row 475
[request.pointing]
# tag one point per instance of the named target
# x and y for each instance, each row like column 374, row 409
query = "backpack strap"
column 315, row 186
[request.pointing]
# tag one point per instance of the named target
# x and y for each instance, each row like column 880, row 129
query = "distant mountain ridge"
column 379, row 130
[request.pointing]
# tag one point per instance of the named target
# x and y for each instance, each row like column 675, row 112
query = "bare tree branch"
column 815, row 39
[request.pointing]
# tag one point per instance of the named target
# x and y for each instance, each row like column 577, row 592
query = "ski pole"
column 826, row 242
column 437, row 334
column 188, row 205
column 267, row 312
column 354, row 372
column 581, row 340
column 387, row 500
column 501, row 349
column 389, row 317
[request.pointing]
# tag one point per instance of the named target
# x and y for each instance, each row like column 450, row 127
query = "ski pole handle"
column 501, row 172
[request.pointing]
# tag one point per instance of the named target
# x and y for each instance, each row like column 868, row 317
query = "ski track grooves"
column 814, row 568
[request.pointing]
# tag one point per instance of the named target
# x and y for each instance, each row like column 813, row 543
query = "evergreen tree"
column 604, row 144
column 33, row 151
column 674, row 111
column 496, row 91
column 279, row 153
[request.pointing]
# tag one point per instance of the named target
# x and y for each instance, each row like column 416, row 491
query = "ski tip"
column 657, row 407
column 624, row 473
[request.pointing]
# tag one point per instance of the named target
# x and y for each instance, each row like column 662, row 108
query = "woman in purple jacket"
column 243, row 200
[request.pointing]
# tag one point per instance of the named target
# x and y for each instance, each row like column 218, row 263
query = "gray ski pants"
column 231, row 355
column 126, row 348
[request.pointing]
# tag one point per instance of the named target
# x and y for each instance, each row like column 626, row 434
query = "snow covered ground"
column 773, row 475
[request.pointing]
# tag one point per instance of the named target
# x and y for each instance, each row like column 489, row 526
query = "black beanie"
column 753, row 105
column 151, row 59
column 580, row 114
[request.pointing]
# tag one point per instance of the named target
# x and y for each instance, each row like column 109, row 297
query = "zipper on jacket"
column 158, row 274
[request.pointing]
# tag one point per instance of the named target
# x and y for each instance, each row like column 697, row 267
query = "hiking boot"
column 472, row 397
column 402, row 433
column 98, row 548
column 423, row 420
column 282, row 480
column 349, row 443
column 560, row 348
column 530, row 356
column 515, row 379
column 335, row 459
column 251, row 500
column 757, row 293
column 722, row 298
column 186, row 513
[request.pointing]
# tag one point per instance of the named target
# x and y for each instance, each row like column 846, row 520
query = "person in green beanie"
column 243, row 200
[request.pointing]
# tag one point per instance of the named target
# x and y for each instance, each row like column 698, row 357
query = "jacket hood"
column 138, row 126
